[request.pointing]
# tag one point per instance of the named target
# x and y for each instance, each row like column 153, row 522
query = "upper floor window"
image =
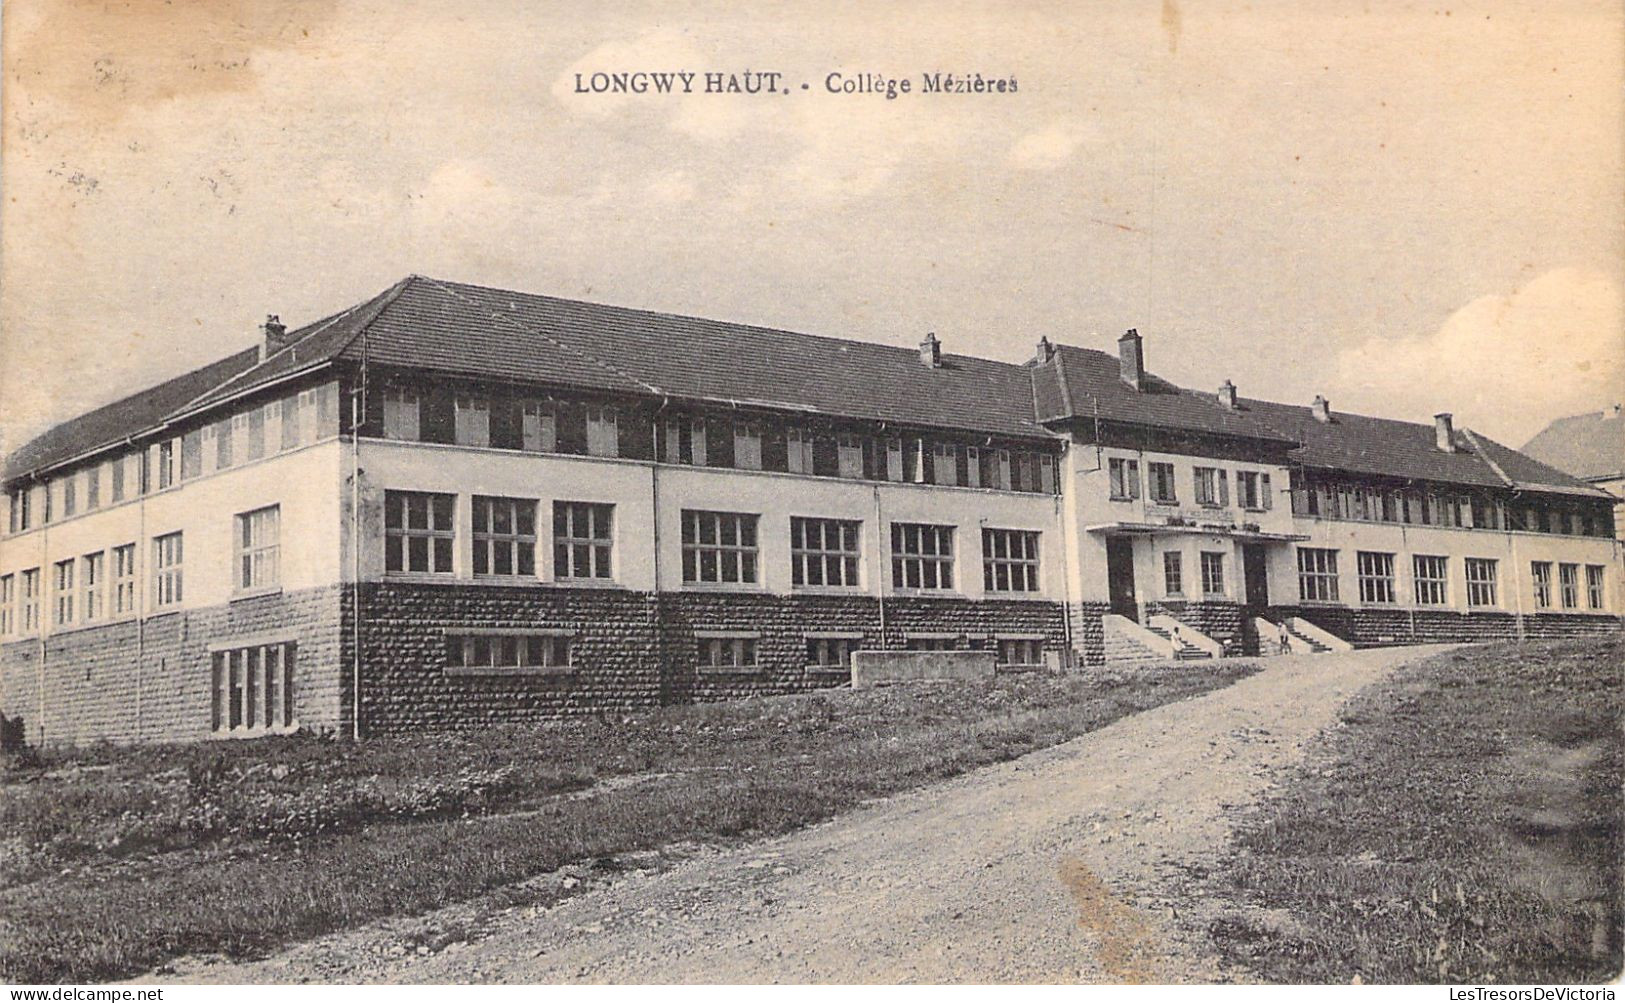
column 1541, row 574
column 258, row 548
column 1046, row 473
column 1212, row 573
column 62, row 581
column 28, row 588
column 1317, row 574
column 944, row 464
column 1173, row 573
column 165, row 462
column 719, row 548
column 1162, row 483
column 1009, row 560
column 249, row 430
column 124, row 579
column 8, row 597
column 166, row 566
column 798, row 450
column 92, row 582
column 747, row 445
column 998, row 469
column 22, row 510
column 192, row 454
column 1125, row 478
column 1212, row 487
column 418, row 532
column 1376, row 576
column 1432, row 578
column 224, row 433
column 1594, row 585
column 848, row 456
column 582, row 532
column 70, row 497
column 93, row 486
column 402, row 414
column 823, row 552
column 471, row 425
column 603, row 435
column 1253, row 490
column 1480, row 581
column 973, row 466
column 504, row 536
column 922, row 556
column 685, row 442
column 539, row 430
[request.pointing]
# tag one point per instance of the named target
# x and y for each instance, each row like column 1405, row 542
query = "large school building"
column 450, row 506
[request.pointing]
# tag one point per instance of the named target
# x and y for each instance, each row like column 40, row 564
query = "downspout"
column 355, row 563
column 654, row 522
column 1066, row 552
column 140, row 597
column 880, row 568
column 43, row 606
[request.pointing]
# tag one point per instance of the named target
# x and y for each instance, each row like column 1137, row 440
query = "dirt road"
column 1063, row 866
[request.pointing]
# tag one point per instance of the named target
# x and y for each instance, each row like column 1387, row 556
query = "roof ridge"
column 1060, row 378
column 1483, row 454
column 497, row 316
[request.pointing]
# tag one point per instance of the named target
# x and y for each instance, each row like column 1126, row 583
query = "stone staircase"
column 1295, row 636
column 1183, row 650
column 1303, row 642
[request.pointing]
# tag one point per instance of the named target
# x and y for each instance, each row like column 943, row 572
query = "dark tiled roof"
column 130, row 416
column 1089, row 384
column 1589, row 446
column 1384, row 447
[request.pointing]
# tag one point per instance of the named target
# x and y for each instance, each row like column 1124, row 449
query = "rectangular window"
column 922, row 556
column 166, row 567
column 258, row 548
column 719, row 548
column 252, row 689
column 1594, row 586
column 1125, row 478
column 291, row 423
column 192, row 454
column 1162, row 483
column 471, row 421
column 1253, row 490
column 418, row 532
column 124, row 580
column 1020, row 653
column 539, row 429
column 824, row 552
column 1173, row 573
column 1009, row 560
column 832, row 654
column 208, row 440
column 727, row 652
column 973, row 467
column 250, row 434
column 930, row 642
column 224, row 451
column 70, row 495
column 1568, row 582
column 1212, row 573
column 93, row 488
column 402, row 416
column 894, row 459
column 998, row 469
column 747, row 445
column 1046, row 474
column 1207, row 487
column 582, row 532
column 115, row 480
column 798, row 446
column 92, row 582
column 29, row 587
column 504, row 536
column 1376, row 577
column 1317, row 575
column 848, row 456
column 1480, row 581
column 1540, row 572
column 495, row 651
column 62, row 600
column 8, row 597
column 944, row 464
column 603, row 435
column 1432, row 576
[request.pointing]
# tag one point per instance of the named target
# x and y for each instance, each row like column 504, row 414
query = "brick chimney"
column 931, row 351
column 1444, row 434
column 276, row 335
column 1321, row 408
column 1227, row 395
column 1046, row 351
column 1131, row 358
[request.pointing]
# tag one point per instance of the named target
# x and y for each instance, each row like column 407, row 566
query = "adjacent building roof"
column 1588, row 446
column 479, row 332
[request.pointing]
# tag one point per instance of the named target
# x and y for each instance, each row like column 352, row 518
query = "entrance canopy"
column 1188, row 529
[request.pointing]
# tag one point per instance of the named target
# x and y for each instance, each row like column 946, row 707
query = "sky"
column 1405, row 207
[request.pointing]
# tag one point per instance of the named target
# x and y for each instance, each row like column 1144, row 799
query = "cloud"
column 1504, row 364
column 1047, row 149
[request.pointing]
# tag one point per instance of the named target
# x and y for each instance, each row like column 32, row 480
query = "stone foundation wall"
column 1221, row 621
column 1376, row 627
column 128, row 682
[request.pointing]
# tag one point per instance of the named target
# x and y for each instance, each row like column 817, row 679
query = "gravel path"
column 1063, row 866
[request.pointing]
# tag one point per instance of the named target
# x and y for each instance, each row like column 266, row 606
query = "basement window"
column 251, row 690
column 722, row 651
column 511, row 653
column 1020, row 653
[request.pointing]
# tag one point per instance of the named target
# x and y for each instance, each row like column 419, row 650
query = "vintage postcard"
column 1123, row 492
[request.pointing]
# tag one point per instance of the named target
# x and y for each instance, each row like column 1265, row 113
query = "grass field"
column 1463, row 825
column 116, row 860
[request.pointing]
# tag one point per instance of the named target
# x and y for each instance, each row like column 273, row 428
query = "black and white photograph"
column 1124, row 493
